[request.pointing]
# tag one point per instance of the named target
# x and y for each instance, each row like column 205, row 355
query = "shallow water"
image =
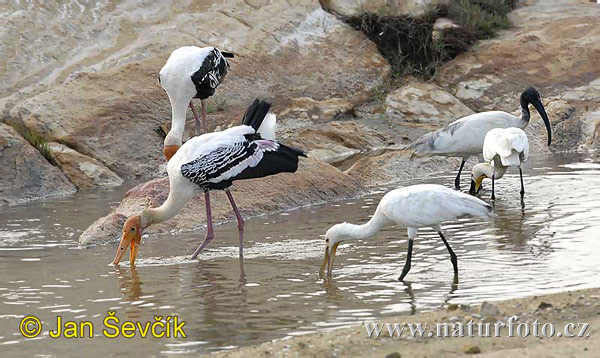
column 549, row 245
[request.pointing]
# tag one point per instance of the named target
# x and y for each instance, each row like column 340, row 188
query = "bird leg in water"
column 522, row 186
column 493, row 189
column 452, row 254
column 457, row 180
column 408, row 259
column 209, row 227
column 240, row 221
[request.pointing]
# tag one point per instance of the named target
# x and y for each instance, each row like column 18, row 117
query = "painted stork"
column 502, row 148
column 416, row 206
column 464, row 138
column 213, row 161
column 190, row 72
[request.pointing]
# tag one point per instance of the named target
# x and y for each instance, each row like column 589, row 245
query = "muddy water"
column 549, row 245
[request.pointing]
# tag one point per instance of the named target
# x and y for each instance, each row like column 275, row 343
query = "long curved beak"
column 540, row 108
column 126, row 241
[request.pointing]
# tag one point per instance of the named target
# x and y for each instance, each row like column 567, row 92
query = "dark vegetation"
column 37, row 141
column 412, row 48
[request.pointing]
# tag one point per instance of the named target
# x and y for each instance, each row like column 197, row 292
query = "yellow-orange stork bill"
column 132, row 236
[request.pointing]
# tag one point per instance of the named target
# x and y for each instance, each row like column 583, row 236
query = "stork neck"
column 167, row 210
column 178, row 112
column 367, row 229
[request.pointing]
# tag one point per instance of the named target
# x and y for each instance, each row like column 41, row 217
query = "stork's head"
column 170, row 150
column 532, row 96
column 333, row 237
column 478, row 173
column 132, row 236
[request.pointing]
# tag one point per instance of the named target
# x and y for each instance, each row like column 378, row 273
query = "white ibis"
column 416, row 206
column 213, row 161
column 502, row 148
column 190, row 72
column 464, row 138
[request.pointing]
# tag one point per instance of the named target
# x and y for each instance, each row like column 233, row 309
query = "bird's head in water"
column 478, row 173
column 532, row 96
column 170, row 150
column 131, row 237
column 334, row 236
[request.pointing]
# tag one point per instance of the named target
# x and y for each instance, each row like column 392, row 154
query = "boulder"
column 424, row 104
column 293, row 53
column 313, row 183
column 82, row 170
column 25, row 174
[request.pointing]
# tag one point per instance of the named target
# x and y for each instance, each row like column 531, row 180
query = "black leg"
column 457, row 180
column 522, row 186
column 493, row 189
column 408, row 259
column 452, row 254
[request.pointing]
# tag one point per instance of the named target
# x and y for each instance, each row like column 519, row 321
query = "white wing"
column 511, row 144
column 463, row 137
column 430, row 204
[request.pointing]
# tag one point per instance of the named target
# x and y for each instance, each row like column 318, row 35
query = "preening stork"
column 213, row 161
column 190, row 72
column 502, row 148
column 416, row 206
column 464, row 138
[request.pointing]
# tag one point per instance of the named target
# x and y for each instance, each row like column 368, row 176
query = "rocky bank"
column 94, row 95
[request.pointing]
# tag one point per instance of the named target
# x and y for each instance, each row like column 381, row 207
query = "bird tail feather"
column 511, row 160
column 256, row 113
column 477, row 207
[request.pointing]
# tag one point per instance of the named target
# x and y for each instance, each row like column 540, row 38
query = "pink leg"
column 240, row 222
column 209, row 227
column 204, row 126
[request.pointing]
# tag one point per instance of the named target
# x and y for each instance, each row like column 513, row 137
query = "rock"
column 538, row 51
column 384, row 7
column 314, row 182
column 425, row 104
column 394, row 166
column 295, row 54
column 488, row 309
column 393, row 355
column 544, row 305
column 25, row 174
column 472, row 350
column 83, row 171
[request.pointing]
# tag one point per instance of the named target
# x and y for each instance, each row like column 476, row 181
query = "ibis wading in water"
column 502, row 148
column 416, row 206
column 190, row 72
column 464, row 138
column 214, row 161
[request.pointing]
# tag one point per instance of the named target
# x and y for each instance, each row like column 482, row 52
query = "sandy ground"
column 581, row 306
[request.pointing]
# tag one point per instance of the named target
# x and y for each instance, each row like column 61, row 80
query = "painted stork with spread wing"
column 416, row 206
column 502, row 148
column 213, row 161
column 464, row 138
column 190, row 72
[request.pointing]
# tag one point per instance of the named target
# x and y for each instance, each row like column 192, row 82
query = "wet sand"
column 581, row 306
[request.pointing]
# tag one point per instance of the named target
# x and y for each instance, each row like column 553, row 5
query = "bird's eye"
column 122, row 249
column 132, row 229
column 326, row 240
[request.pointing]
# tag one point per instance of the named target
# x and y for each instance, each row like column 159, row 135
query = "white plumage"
column 190, row 72
column 416, row 206
column 212, row 161
column 502, row 148
column 465, row 137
